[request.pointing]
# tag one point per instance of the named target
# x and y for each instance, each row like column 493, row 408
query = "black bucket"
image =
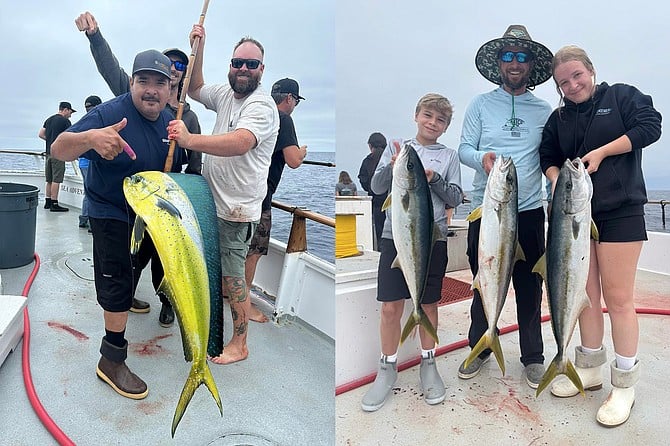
column 18, row 215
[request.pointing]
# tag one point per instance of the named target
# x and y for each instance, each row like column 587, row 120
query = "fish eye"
column 410, row 165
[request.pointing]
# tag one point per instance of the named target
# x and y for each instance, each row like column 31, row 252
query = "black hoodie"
column 576, row 129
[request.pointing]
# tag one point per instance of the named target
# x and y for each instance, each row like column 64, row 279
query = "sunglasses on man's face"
column 296, row 99
column 251, row 64
column 521, row 57
column 179, row 66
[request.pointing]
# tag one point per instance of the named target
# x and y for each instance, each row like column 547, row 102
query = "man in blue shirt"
column 121, row 137
column 509, row 121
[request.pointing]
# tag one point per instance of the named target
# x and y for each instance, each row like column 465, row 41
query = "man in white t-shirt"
column 235, row 164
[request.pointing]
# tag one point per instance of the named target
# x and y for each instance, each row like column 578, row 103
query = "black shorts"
column 624, row 229
column 116, row 271
column 391, row 285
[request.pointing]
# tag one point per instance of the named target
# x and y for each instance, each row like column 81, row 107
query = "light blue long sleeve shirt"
column 511, row 126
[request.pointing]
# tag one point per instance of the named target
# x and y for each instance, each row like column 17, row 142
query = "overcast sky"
column 390, row 53
column 47, row 60
column 361, row 64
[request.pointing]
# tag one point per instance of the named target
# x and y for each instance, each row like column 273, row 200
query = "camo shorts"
column 261, row 239
column 391, row 285
column 234, row 240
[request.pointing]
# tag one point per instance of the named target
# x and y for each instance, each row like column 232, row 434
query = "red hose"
column 346, row 387
column 41, row 413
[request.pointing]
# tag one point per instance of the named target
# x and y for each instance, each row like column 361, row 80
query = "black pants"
column 527, row 286
column 379, row 217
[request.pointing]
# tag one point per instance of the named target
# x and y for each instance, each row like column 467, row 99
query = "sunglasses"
column 521, row 57
column 251, row 64
column 179, row 66
column 296, row 99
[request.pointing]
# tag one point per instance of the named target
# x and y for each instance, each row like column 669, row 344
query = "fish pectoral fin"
column 137, row 235
column 395, row 263
column 475, row 284
column 387, row 203
column 541, row 267
column 476, row 214
column 519, row 254
column 167, row 206
column 595, row 235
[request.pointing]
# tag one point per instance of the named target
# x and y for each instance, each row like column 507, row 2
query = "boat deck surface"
column 503, row 410
column 281, row 395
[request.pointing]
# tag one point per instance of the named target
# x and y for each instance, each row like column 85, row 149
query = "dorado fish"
column 199, row 194
column 412, row 222
column 565, row 265
column 498, row 251
column 163, row 209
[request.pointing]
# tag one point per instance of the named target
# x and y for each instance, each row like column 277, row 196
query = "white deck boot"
column 588, row 366
column 616, row 408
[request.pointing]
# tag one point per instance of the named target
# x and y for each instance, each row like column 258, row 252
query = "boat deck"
column 281, row 395
column 503, row 410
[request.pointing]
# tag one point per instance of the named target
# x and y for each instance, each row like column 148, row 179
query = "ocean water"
column 309, row 186
column 312, row 187
column 653, row 211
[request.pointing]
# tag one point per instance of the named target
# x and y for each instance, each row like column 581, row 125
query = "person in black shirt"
column 377, row 144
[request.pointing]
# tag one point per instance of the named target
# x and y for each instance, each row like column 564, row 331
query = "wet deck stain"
column 150, row 347
column 500, row 406
column 149, row 408
column 76, row 333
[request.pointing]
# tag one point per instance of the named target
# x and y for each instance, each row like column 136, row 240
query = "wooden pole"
column 184, row 89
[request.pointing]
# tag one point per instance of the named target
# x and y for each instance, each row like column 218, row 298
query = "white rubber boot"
column 376, row 395
column 588, row 366
column 616, row 408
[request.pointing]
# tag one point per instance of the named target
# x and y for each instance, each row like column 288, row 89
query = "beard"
column 243, row 84
column 515, row 85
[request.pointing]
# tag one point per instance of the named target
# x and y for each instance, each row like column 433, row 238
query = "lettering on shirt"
column 603, row 111
column 515, row 127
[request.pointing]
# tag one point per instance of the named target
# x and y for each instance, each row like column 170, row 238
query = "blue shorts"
column 391, row 285
column 234, row 240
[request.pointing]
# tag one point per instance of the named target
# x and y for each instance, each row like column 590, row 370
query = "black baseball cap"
column 65, row 104
column 152, row 60
column 92, row 101
column 177, row 52
column 288, row 86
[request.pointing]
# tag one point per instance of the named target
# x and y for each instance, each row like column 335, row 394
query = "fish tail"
column 497, row 351
column 549, row 375
column 572, row 374
column 418, row 317
column 560, row 366
column 490, row 341
column 412, row 322
column 200, row 374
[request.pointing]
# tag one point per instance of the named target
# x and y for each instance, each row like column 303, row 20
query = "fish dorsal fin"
column 541, row 267
column 167, row 206
column 475, row 215
column 594, row 231
column 137, row 235
column 387, row 202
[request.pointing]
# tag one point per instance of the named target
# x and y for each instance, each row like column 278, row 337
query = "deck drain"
column 239, row 439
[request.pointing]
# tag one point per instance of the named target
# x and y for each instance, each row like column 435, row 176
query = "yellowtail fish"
column 565, row 265
column 412, row 222
column 498, row 251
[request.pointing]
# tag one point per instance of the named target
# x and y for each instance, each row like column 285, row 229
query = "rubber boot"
column 113, row 370
column 588, row 366
column 616, row 408
column 432, row 385
column 381, row 388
